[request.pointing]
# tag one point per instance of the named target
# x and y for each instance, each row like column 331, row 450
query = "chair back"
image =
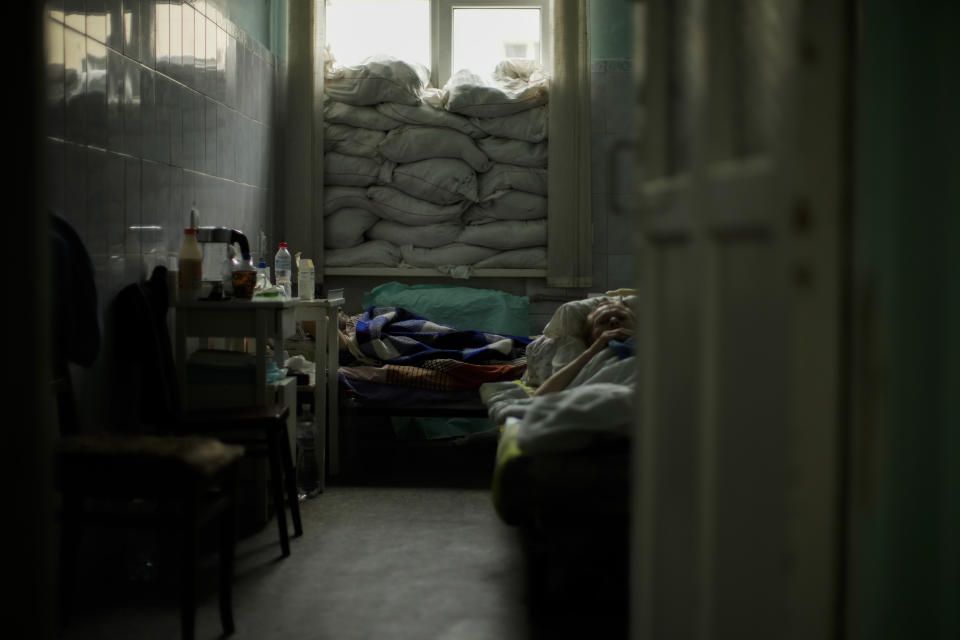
column 145, row 349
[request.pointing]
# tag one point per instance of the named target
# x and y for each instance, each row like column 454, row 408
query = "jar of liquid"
column 189, row 266
column 244, row 278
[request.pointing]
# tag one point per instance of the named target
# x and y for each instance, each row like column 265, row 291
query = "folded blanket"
column 395, row 336
column 438, row 374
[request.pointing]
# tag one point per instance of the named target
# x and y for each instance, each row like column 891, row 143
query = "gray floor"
column 374, row 562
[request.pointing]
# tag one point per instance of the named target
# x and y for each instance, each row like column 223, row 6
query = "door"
column 742, row 117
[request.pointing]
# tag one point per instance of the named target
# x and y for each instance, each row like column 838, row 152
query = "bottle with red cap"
column 189, row 266
column 282, row 267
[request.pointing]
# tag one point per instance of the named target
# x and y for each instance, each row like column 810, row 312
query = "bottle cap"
column 283, row 244
column 189, row 230
column 262, row 265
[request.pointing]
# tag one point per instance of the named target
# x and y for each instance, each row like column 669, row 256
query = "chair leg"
column 188, row 567
column 276, row 478
column 228, row 521
column 290, row 477
column 70, row 531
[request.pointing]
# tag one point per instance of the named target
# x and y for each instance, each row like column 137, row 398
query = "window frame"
column 441, row 28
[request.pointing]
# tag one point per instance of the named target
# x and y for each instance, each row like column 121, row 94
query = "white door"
column 742, row 136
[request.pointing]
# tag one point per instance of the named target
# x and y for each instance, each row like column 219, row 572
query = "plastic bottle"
column 189, row 266
column 305, row 279
column 282, row 267
column 263, row 278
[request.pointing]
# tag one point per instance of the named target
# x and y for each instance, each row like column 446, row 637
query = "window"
column 443, row 35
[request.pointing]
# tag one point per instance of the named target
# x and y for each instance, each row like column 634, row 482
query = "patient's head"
column 609, row 315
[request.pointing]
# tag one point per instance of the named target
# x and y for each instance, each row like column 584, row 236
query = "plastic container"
column 282, row 265
column 305, row 281
column 263, row 276
column 244, row 278
column 189, row 267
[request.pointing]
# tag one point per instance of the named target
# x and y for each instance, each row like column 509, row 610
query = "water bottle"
column 263, row 276
column 283, row 268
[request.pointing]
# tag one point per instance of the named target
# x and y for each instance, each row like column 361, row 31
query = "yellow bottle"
column 190, row 266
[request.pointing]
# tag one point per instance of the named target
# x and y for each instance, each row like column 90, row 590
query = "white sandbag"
column 429, row 236
column 378, row 79
column 362, row 117
column 344, row 228
column 350, row 171
column 471, row 95
column 529, row 258
column 530, row 125
column 503, row 177
column 456, row 253
column 506, row 234
column 512, row 205
column 375, row 253
column 336, row 198
column 437, row 180
column 352, row 141
column 431, row 117
column 410, row 143
column 525, row 154
column 399, row 207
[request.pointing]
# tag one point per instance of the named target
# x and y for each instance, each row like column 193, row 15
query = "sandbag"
column 399, row 207
column 336, row 198
column 471, row 95
column 512, row 205
column 361, row 117
column 378, row 79
column 456, row 253
column 350, row 171
column 411, row 143
column 518, row 152
column 345, row 227
column 530, row 125
column 429, row 236
column 506, row 234
column 375, row 253
column 430, row 116
column 437, row 180
column 352, row 141
column 503, row 177
column 529, row 258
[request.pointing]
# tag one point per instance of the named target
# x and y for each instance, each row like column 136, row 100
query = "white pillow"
column 471, row 95
column 528, row 258
column 399, row 207
column 502, row 177
column 451, row 254
column 530, row 125
column 336, row 198
column 506, row 234
column 345, row 227
column 352, row 141
column 526, row 154
column 510, row 205
column 430, row 116
column 350, row 171
column 410, row 143
column 361, row 117
column 428, row 236
column 437, row 180
column 570, row 319
column 375, row 253
column 378, row 79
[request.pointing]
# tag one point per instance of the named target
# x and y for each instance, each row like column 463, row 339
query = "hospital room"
column 470, row 319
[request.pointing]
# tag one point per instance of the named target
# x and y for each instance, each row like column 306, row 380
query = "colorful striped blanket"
column 393, row 335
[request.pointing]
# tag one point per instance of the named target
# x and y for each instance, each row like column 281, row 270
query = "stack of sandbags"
column 413, row 184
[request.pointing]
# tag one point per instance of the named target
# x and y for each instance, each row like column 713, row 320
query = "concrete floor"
column 374, row 562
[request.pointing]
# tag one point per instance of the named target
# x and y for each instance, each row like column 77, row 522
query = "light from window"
column 484, row 37
column 357, row 29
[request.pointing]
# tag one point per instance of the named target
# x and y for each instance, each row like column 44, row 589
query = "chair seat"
column 121, row 464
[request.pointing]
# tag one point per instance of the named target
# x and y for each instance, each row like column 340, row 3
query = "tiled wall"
column 154, row 105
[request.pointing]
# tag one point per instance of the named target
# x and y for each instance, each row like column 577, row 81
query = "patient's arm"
column 562, row 378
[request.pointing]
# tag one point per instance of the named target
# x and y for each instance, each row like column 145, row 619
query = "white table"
column 263, row 320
